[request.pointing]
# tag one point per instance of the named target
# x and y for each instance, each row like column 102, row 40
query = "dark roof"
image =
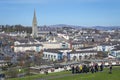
column 26, row 40
column 23, row 41
column 55, row 50
column 31, row 40
column 86, row 47
column 59, row 49
column 52, row 50
column 30, row 50
column 110, row 43
column 76, row 43
column 73, row 52
column 28, row 45
column 116, row 48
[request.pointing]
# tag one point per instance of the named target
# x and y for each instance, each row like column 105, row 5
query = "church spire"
column 34, row 18
column 34, row 25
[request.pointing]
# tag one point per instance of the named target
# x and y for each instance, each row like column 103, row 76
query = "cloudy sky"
column 50, row 12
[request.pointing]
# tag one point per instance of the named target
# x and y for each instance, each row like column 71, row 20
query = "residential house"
column 115, row 52
column 25, row 47
column 62, row 54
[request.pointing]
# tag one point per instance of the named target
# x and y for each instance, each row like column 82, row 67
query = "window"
column 48, row 56
column 51, row 56
column 54, row 57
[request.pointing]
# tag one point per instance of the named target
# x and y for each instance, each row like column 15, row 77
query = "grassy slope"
column 96, row 76
column 41, row 76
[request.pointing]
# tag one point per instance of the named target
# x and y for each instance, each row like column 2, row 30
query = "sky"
column 51, row 12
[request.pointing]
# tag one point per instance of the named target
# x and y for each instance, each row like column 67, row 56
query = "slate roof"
column 26, row 40
column 116, row 48
column 55, row 50
column 86, row 47
column 76, row 43
column 76, row 52
column 72, row 52
column 110, row 43
column 28, row 45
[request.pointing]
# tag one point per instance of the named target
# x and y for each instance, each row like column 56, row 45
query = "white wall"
column 46, row 54
column 81, row 54
column 107, row 48
column 51, row 45
column 23, row 49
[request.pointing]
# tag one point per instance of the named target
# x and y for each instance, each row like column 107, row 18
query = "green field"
column 66, row 75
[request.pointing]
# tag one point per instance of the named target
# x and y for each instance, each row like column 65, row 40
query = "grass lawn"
column 33, row 77
column 96, row 76
column 66, row 75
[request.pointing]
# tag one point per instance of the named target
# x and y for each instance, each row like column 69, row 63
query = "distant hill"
column 65, row 25
column 107, row 27
column 93, row 27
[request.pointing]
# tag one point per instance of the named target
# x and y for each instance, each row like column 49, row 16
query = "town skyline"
column 51, row 12
column 59, row 38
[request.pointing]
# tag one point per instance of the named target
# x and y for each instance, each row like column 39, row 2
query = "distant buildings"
column 61, row 43
column 46, row 30
column 24, row 45
column 28, row 47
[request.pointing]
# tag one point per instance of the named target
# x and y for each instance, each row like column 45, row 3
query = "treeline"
column 16, row 28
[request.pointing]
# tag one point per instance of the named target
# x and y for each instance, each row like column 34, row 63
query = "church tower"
column 34, row 26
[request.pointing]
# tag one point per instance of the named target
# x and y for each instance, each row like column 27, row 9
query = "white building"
column 87, row 49
column 26, row 47
column 115, row 52
column 59, row 54
column 105, row 47
column 21, row 34
column 79, row 55
column 65, row 36
column 55, row 45
column 26, row 41
column 76, row 45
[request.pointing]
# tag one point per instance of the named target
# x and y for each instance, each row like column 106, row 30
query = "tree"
column 38, row 58
column 27, row 64
column 80, row 57
column 40, row 54
column 86, row 56
column 12, row 72
column 65, row 58
column 90, row 56
column 96, row 56
column 7, row 59
column 74, row 58
column 101, row 54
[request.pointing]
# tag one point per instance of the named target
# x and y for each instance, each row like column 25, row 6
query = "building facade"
column 26, row 47
column 57, row 54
